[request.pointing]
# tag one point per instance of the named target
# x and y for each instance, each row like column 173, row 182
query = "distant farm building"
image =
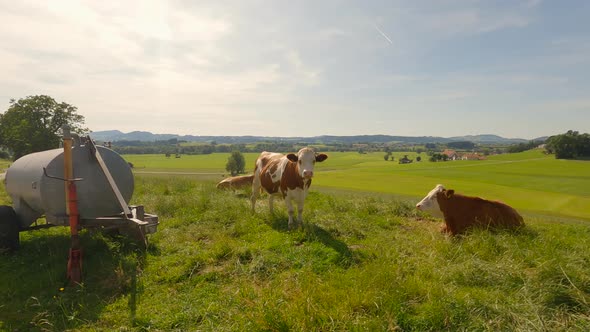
column 451, row 154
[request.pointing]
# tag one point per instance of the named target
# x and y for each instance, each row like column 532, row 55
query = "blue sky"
column 305, row 68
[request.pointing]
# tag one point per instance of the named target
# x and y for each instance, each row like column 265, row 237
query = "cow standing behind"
column 236, row 182
column 288, row 176
column 463, row 212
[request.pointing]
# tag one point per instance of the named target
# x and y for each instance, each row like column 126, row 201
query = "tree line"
column 175, row 146
column 521, row 147
column 571, row 145
column 34, row 123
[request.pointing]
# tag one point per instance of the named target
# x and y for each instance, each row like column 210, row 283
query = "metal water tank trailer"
column 34, row 194
column 103, row 185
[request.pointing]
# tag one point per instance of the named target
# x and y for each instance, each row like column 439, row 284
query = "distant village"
column 454, row 155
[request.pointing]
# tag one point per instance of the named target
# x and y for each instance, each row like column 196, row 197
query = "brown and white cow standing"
column 288, row 176
column 463, row 212
column 236, row 182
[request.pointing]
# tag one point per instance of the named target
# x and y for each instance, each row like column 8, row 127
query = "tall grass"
column 359, row 263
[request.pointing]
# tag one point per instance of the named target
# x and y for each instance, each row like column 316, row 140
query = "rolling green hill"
column 116, row 135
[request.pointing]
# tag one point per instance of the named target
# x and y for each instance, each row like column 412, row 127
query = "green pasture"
column 360, row 263
column 531, row 181
column 363, row 261
column 186, row 163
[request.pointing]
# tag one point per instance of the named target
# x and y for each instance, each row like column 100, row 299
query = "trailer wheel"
column 9, row 229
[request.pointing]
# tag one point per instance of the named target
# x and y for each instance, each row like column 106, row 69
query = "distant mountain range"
column 116, row 135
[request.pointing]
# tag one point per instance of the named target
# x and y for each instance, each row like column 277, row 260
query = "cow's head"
column 430, row 202
column 306, row 159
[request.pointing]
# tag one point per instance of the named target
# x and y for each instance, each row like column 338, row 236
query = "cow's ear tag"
column 292, row 157
column 449, row 193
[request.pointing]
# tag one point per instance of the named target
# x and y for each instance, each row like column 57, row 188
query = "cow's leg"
column 300, row 201
column 255, row 190
column 253, row 200
column 300, row 214
column 291, row 211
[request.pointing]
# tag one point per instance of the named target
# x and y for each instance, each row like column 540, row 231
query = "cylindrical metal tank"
column 34, row 194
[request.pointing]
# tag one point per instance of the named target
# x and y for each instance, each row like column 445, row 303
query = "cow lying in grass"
column 236, row 182
column 288, row 176
column 463, row 212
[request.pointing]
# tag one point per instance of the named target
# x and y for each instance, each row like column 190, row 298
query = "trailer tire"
column 9, row 229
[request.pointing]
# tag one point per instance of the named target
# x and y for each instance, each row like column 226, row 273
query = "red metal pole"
column 75, row 254
column 74, row 272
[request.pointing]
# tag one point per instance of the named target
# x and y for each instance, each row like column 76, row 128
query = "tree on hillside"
column 235, row 163
column 571, row 145
column 520, row 147
column 33, row 124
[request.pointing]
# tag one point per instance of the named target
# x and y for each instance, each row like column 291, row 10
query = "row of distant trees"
column 159, row 147
column 438, row 157
column 404, row 160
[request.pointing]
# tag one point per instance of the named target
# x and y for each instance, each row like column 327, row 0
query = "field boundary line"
column 178, row 173
column 449, row 166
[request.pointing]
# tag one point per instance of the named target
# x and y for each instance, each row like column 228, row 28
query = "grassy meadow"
column 365, row 260
column 531, row 181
